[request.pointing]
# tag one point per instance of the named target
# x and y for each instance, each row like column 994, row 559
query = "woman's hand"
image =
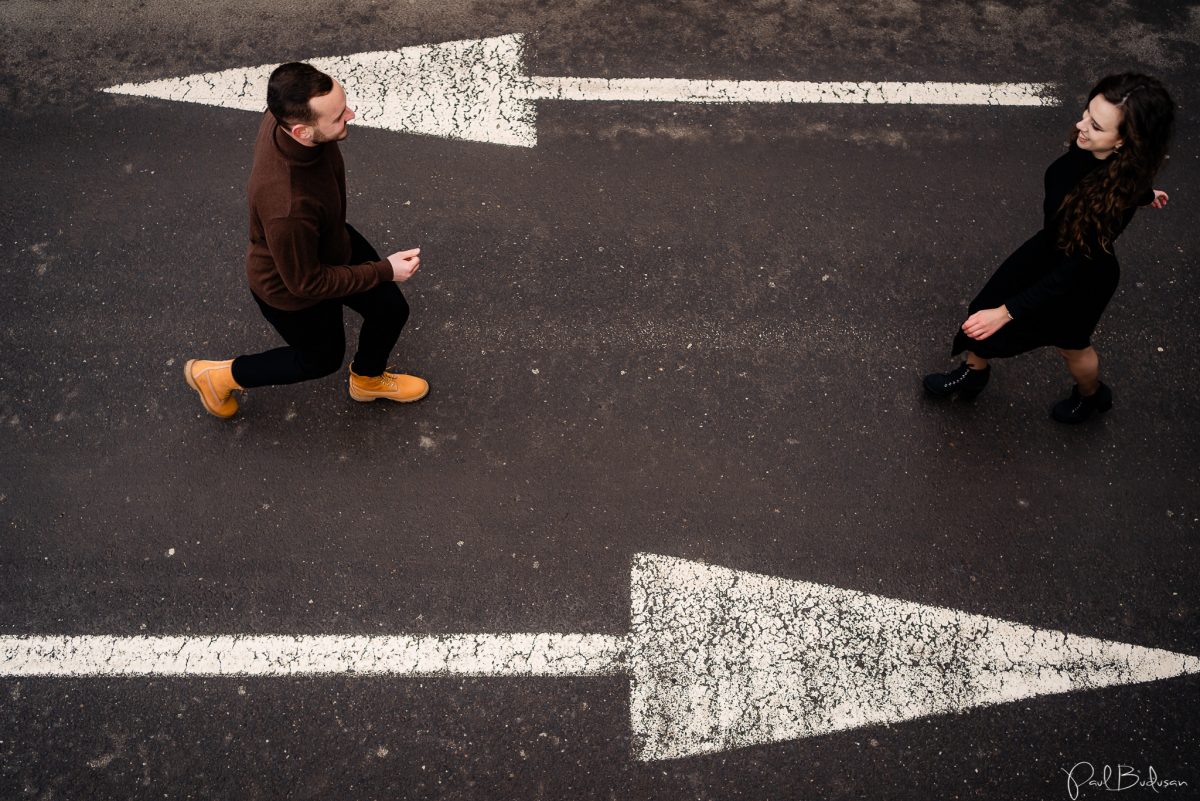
column 1160, row 199
column 985, row 322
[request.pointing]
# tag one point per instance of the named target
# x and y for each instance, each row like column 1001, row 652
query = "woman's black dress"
column 1054, row 299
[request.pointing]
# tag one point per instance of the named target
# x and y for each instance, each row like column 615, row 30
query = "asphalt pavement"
column 689, row 330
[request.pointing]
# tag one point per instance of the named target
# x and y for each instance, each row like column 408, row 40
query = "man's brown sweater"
column 299, row 244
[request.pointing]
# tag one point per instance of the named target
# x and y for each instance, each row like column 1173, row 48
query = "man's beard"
column 318, row 139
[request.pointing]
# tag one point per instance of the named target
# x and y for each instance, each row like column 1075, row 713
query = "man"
column 305, row 263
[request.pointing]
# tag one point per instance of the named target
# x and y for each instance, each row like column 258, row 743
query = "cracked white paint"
column 674, row 90
column 717, row 658
column 723, row 658
column 280, row 655
column 471, row 89
column 477, row 90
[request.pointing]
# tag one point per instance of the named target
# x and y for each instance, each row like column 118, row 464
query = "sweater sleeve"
column 1058, row 282
column 292, row 242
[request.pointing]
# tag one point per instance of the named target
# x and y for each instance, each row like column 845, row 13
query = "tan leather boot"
column 214, row 381
column 393, row 386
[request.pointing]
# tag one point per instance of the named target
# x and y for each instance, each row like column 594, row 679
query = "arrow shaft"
column 277, row 655
column 672, row 90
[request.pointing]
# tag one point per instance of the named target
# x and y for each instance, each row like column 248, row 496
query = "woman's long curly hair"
column 1093, row 211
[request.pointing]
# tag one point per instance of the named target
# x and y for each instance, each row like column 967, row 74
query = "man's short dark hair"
column 291, row 86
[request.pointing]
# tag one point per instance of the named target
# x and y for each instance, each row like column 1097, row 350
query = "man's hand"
column 985, row 322
column 404, row 264
column 1160, row 199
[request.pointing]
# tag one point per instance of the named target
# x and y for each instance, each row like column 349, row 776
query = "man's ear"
column 302, row 133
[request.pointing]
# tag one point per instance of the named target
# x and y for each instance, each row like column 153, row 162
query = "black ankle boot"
column 1078, row 408
column 964, row 381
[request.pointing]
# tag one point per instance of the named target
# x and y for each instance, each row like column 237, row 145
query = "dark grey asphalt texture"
column 690, row 331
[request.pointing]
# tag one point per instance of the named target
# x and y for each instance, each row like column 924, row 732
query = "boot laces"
column 382, row 382
column 1081, row 402
column 963, row 373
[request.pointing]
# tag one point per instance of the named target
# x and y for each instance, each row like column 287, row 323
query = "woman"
column 1054, row 288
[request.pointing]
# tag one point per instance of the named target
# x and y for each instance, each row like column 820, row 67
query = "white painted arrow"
column 717, row 658
column 477, row 90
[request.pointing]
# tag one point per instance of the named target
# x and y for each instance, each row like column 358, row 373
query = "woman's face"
column 1098, row 128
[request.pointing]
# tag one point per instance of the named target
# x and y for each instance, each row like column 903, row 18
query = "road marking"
column 673, row 90
column 716, row 658
column 477, row 90
column 724, row 659
column 282, row 655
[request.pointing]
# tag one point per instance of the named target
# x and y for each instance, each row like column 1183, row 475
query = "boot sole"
column 187, row 375
column 370, row 398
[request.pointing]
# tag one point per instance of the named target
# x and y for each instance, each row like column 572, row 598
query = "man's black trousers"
column 316, row 339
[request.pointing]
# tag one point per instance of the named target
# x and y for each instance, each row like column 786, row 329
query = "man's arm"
column 292, row 242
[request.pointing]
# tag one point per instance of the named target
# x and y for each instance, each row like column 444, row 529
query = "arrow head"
column 473, row 89
column 722, row 659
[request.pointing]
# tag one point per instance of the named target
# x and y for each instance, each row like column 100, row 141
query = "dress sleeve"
column 292, row 242
column 1055, row 284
